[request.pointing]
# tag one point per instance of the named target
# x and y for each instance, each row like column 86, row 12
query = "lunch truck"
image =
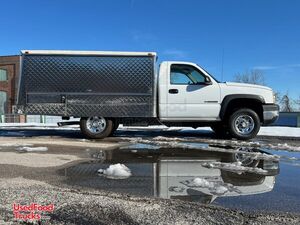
column 106, row 88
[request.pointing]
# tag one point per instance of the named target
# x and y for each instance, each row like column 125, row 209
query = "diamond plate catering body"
column 83, row 84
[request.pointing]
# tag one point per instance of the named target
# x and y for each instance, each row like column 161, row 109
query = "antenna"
column 222, row 68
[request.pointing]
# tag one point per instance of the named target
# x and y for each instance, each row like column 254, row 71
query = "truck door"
column 191, row 94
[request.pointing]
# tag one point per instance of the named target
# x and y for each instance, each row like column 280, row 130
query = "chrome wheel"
column 244, row 124
column 244, row 158
column 96, row 124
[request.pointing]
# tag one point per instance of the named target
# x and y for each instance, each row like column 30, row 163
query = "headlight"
column 274, row 97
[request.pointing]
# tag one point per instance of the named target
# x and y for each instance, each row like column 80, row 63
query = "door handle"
column 173, row 91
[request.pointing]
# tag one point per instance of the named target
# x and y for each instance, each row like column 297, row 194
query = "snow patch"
column 235, row 167
column 201, row 182
column 214, row 187
column 176, row 189
column 280, row 131
column 32, row 149
column 286, row 147
column 161, row 138
column 221, row 190
column 13, row 145
column 116, row 171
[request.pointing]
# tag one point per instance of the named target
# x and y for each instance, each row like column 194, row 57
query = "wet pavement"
column 257, row 176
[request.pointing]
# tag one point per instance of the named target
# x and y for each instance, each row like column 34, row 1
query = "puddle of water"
column 196, row 145
column 141, row 146
column 285, row 195
column 175, row 173
column 86, row 175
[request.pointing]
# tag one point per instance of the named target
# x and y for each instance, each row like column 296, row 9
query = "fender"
column 229, row 98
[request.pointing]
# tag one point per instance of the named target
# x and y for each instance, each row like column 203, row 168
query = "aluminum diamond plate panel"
column 76, row 85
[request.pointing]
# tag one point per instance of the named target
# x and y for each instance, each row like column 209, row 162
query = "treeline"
column 285, row 101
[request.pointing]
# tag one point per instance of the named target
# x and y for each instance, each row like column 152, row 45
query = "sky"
column 224, row 37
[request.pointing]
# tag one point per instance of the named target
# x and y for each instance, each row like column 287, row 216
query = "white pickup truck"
column 106, row 89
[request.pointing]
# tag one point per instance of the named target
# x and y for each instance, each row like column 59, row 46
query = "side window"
column 186, row 74
column 3, row 75
column 198, row 77
column 178, row 77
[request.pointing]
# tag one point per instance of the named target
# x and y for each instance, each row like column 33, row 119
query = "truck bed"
column 82, row 84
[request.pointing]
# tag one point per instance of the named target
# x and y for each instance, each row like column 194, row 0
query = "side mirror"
column 207, row 81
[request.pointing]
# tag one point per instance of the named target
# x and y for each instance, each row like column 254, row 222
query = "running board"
column 61, row 124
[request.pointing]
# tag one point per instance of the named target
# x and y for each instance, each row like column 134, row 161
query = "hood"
column 247, row 85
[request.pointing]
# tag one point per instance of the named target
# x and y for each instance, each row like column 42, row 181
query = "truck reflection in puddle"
column 176, row 173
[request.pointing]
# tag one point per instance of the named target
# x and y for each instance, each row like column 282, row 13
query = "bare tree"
column 286, row 103
column 278, row 97
column 251, row 77
column 298, row 103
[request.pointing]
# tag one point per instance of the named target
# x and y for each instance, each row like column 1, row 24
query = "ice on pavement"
column 280, row 131
column 286, row 146
column 13, row 144
column 267, row 131
column 201, row 182
column 32, row 149
column 221, row 190
column 235, row 167
column 217, row 145
column 214, row 187
column 116, row 171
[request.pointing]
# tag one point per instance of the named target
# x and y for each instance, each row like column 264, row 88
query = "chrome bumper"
column 270, row 113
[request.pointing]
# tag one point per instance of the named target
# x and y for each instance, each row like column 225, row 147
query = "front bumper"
column 270, row 113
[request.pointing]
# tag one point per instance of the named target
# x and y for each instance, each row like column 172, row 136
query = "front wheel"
column 244, row 124
column 96, row 127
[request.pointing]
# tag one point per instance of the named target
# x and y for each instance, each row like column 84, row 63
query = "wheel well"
column 235, row 104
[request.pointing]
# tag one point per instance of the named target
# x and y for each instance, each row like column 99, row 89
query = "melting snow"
column 280, row 131
column 214, row 187
column 235, row 167
column 285, row 146
column 33, row 149
column 221, row 190
column 116, row 171
column 267, row 131
column 201, row 182
column 13, row 145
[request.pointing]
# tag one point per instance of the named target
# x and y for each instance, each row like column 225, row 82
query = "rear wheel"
column 96, row 127
column 115, row 127
column 244, row 124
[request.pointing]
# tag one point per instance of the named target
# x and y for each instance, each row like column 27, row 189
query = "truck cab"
column 189, row 95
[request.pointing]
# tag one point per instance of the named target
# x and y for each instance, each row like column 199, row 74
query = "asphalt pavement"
column 174, row 178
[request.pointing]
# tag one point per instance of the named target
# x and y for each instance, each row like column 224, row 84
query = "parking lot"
column 138, row 172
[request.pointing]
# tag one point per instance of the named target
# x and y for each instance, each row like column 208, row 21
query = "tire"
column 242, row 157
column 115, row 127
column 97, row 131
column 220, row 130
column 244, row 124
